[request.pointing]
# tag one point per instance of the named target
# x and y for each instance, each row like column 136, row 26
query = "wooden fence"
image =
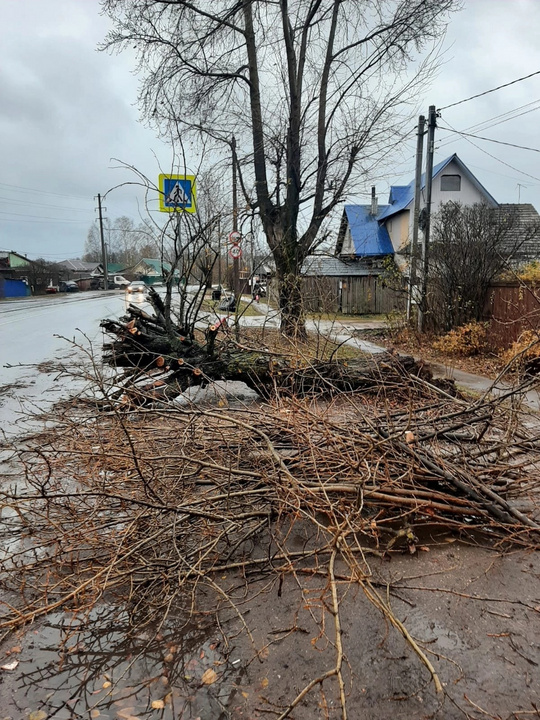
column 358, row 295
column 512, row 307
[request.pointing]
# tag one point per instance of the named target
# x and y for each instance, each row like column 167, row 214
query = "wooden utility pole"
column 416, row 214
column 103, row 252
column 432, row 124
column 236, row 261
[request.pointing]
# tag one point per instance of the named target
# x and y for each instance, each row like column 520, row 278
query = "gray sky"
column 66, row 110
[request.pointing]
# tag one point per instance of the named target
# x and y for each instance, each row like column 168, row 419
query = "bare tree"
column 471, row 246
column 126, row 242
column 312, row 90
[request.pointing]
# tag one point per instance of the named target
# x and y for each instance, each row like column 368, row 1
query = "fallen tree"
column 166, row 514
column 165, row 359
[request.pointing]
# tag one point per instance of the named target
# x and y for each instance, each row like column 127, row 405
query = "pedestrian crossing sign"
column 177, row 193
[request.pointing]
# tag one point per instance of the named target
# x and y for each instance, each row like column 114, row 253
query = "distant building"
column 369, row 231
column 14, row 269
column 152, row 270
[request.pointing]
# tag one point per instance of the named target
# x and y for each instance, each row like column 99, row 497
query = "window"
column 451, row 182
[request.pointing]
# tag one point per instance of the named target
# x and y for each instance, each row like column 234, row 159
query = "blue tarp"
column 369, row 238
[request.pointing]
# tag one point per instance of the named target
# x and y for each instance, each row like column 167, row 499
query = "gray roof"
column 77, row 265
column 327, row 266
column 523, row 235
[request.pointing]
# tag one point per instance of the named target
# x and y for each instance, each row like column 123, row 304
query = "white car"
column 137, row 286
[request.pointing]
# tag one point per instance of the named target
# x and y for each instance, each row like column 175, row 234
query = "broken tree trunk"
column 143, row 341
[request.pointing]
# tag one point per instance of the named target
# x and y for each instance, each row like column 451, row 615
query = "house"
column 152, row 270
column 366, row 229
column 80, row 270
column 9, row 259
column 525, row 235
column 371, row 234
column 14, row 270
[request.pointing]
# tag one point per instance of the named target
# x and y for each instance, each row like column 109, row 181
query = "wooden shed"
column 331, row 285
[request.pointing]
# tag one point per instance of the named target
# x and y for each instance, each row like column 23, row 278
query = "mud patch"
column 100, row 666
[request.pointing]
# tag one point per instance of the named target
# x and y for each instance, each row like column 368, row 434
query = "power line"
column 521, row 172
column 486, row 92
column 42, row 221
column 44, row 205
column 485, row 125
column 38, row 255
column 45, row 192
column 38, row 217
column 498, row 142
column 505, row 117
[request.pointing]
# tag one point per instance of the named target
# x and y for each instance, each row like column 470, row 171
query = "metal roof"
column 77, row 265
column 369, row 238
column 328, row 266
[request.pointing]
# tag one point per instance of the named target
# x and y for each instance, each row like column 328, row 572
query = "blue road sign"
column 177, row 193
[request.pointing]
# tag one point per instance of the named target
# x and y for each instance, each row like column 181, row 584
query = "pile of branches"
column 161, row 359
column 153, row 506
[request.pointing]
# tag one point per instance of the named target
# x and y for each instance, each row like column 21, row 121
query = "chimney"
column 374, row 202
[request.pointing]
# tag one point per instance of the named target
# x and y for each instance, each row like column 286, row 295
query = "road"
column 35, row 340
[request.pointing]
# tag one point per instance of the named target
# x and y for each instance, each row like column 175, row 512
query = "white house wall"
column 468, row 195
column 348, row 245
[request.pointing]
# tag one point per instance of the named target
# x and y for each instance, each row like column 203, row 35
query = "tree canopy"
column 314, row 92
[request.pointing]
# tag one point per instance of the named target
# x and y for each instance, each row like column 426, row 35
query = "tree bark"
column 174, row 362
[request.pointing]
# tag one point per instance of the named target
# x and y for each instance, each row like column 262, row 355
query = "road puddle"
column 101, row 666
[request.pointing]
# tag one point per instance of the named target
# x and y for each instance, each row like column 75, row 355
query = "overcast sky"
column 67, row 109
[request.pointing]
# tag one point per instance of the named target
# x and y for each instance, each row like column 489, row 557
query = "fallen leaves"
column 10, row 666
column 37, row 715
column 209, row 677
column 158, row 704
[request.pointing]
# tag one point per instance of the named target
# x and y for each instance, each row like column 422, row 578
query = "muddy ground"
column 474, row 611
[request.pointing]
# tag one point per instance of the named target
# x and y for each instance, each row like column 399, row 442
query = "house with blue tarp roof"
column 370, row 232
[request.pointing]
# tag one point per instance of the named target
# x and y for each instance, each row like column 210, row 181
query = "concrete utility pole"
column 219, row 251
column 236, row 261
column 103, row 252
column 416, row 214
column 432, row 124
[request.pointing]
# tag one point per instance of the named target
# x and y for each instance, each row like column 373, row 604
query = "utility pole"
column 219, row 250
column 432, row 124
column 416, row 214
column 103, row 253
column 236, row 261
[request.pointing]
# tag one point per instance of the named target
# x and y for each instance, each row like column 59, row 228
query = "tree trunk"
column 291, row 305
column 168, row 363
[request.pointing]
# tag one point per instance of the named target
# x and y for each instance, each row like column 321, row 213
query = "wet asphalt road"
column 36, row 338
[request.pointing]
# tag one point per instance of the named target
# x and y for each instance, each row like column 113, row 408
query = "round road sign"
column 235, row 237
column 235, row 252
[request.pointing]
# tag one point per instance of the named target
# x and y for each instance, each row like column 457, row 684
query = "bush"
column 467, row 340
column 525, row 350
